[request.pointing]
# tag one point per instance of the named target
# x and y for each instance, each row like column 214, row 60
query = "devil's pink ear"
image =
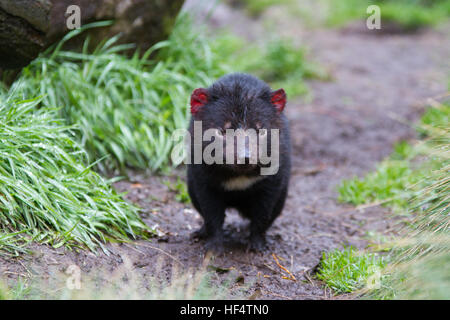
column 278, row 99
column 198, row 99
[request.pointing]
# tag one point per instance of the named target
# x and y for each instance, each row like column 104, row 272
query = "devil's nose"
column 244, row 154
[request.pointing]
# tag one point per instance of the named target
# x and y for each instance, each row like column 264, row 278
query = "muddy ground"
column 380, row 84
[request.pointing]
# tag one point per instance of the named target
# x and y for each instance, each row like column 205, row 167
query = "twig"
column 283, row 268
column 308, row 278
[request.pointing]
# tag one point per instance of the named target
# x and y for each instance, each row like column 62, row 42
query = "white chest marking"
column 241, row 183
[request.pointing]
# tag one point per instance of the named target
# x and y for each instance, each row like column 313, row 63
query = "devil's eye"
column 219, row 133
column 262, row 133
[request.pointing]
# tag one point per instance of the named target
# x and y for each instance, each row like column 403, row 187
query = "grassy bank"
column 48, row 193
column 415, row 182
column 125, row 108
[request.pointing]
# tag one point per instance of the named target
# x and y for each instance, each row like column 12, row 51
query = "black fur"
column 242, row 101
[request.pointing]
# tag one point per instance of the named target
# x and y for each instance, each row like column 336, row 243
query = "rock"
column 28, row 27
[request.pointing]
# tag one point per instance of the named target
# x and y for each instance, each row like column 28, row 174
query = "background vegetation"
column 72, row 118
column 414, row 181
column 407, row 14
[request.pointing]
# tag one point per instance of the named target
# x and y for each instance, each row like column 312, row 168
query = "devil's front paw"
column 257, row 243
column 200, row 233
column 215, row 245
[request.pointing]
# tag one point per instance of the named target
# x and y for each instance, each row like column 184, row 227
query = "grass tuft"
column 388, row 183
column 180, row 189
column 46, row 191
column 348, row 270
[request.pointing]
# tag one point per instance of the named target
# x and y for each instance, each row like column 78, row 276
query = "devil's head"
column 235, row 111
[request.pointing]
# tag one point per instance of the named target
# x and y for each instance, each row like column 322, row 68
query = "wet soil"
column 379, row 87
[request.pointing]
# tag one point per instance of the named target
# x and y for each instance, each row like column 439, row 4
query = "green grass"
column 435, row 118
column 388, row 183
column 47, row 191
column 16, row 292
column 348, row 270
column 180, row 189
column 395, row 179
column 409, row 14
column 277, row 61
column 256, row 7
column 12, row 244
column 126, row 108
column 418, row 258
column 402, row 151
column 284, row 65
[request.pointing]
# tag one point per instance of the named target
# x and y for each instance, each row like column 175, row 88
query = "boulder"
column 28, row 27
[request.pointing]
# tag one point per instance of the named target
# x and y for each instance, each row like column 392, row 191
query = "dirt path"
column 349, row 126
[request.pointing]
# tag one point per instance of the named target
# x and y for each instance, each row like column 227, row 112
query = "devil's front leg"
column 262, row 213
column 212, row 209
column 261, row 220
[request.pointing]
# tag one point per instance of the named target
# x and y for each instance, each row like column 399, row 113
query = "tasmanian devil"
column 230, row 167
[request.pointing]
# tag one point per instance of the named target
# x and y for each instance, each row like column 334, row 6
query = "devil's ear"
column 199, row 98
column 278, row 99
